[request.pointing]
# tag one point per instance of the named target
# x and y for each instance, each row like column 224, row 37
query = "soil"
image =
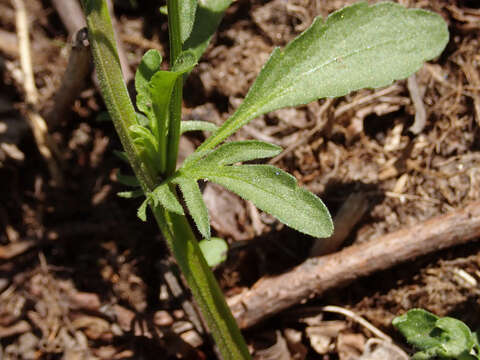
column 82, row 278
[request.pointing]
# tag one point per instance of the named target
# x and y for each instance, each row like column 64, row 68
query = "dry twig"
column 316, row 275
column 36, row 122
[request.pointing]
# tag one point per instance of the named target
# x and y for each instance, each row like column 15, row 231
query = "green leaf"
column 214, row 250
column 359, row 46
column 195, row 204
column 187, row 9
column 121, row 155
column 456, row 337
column 236, row 151
column 184, row 62
column 127, row 180
column 130, row 194
column 149, row 65
column 447, row 338
column 160, row 89
column 273, row 191
column 166, row 197
column 416, row 326
column 208, row 16
column 197, row 125
column 142, row 210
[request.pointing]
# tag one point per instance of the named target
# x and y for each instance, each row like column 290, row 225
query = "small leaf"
column 142, row 120
column 165, row 196
column 130, row 194
column 185, row 62
column 208, row 16
column 148, row 66
column 236, row 151
column 187, row 9
column 127, row 180
column 122, row 155
column 359, row 46
column 214, row 250
column 416, row 326
column 197, row 125
column 142, row 210
column 456, row 338
column 273, row 191
column 446, row 337
column 195, row 204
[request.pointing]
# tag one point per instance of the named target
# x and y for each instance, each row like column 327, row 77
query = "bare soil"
column 82, row 278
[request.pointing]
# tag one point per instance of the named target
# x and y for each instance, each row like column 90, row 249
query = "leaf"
column 416, row 326
column 148, row 66
column 436, row 337
column 122, row 155
column 130, row 194
column 195, row 204
column 214, row 250
column 142, row 210
column 208, row 16
column 236, row 151
column 359, row 46
column 165, row 196
column 187, row 9
column 273, row 191
column 456, row 337
column 184, row 62
column 160, row 89
column 197, row 125
column 127, row 180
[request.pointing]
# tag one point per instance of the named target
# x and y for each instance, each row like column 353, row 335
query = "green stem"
column 175, row 228
column 176, row 102
column 204, row 287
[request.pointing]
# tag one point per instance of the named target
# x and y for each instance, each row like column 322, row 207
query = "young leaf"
column 447, row 338
column 236, row 151
column 214, row 250
column 197, row 125
column 160, row 89
column 149, row 65
column 121, row 155
column 208, row 16
column 184, row 62
column 127, row 180
column 165, row 196
column 130, row 194
column 195, row 204
column 359, row 46
column 142, row 210
column 273, row 191
column 187, row 9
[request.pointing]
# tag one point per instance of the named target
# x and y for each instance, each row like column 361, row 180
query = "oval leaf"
column 275, row 192
column 214, row 250
column 148, row 66
column 359, row 46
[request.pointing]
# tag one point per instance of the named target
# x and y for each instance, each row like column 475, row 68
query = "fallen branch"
column 73, row 81
column 316, row 275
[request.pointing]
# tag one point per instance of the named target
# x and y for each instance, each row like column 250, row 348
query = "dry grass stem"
column 38, row 125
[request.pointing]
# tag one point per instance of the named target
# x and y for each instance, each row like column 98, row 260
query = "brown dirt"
column 82, row 278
